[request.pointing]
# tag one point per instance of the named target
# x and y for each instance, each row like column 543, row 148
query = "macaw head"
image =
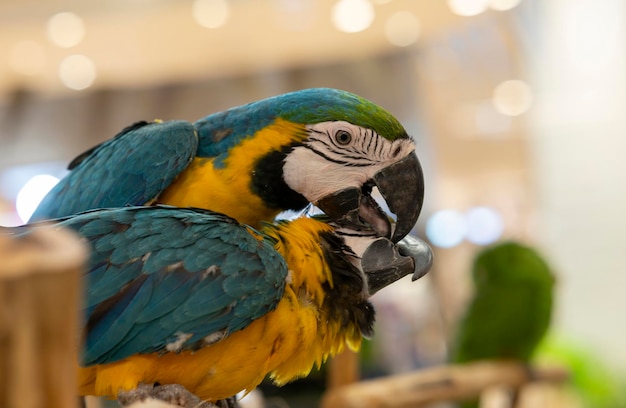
column 330, row 148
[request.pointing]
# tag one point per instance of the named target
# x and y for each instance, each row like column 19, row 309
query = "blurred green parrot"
column 511, row 308
column 192, row 298
column 322, row 146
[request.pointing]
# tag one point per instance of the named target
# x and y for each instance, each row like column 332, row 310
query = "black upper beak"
column 384, row 263
column 402, row 187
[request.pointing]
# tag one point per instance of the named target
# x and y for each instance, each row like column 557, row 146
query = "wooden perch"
column 445, row 383
column 39, row 292
column 343, row 369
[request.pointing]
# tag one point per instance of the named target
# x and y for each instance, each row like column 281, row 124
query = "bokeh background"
column 517, row 106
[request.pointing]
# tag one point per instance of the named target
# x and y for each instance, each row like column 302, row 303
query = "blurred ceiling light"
column 512, row 97
column 27, row 58
column 503, row 5
column 295, row 15
column 65, row 29
column 77, row 72
column 402, row 28
column 484, row 225
column 489, row 121
column 446, row 228
column 32, row 193
column 468, row 7
column 593, row 40
column 352, row 16
column 12, row 179
column 210, row 13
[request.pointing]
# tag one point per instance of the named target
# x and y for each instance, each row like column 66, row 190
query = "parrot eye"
column 343, row 137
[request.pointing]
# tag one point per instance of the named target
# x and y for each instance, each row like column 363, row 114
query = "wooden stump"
column 39, row 311
column 343, row 369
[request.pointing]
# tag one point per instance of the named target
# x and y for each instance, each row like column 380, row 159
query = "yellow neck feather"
column 226, row 188
column 299, row 243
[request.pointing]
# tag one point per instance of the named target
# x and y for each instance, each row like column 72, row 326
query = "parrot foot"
column 172, row 394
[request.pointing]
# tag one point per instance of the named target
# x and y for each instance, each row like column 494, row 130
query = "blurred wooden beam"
column 39, row 298
column 445, row 383
column 343, row 369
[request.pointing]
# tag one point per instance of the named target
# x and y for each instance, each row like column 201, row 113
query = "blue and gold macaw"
column 192, row 298
column 322, row 146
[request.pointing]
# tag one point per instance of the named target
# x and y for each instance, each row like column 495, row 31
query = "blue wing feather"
column 166, row 295
column 133, row 168
column 105, row 281
column 215, row 276
column 114, row 318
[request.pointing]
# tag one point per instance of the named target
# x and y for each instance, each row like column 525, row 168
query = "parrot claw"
column 173, row 394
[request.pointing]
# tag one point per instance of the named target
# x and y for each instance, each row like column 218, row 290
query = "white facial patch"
column 358, row 244
column 338, row 155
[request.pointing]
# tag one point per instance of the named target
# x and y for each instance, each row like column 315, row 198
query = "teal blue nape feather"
column 307, row 106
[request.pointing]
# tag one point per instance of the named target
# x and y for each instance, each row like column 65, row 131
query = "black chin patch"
column 269, row 184
column 344, row 300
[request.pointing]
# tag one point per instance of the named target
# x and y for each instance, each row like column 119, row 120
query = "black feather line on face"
column 268, row 182
column 342, row 162
column 344, row 301
column 355, row 154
